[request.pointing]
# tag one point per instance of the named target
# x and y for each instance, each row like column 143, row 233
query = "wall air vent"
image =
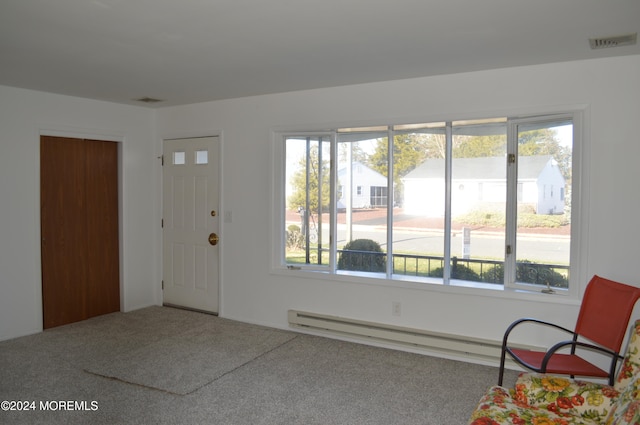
column 617, row 41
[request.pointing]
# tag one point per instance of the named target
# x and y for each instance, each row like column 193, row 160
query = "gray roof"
column 342, row 171
column 487, row 168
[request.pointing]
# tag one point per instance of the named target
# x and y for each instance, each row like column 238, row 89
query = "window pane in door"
column 202, row 157
column 178, row 158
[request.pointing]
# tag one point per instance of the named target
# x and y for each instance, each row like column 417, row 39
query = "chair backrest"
column 605, row 312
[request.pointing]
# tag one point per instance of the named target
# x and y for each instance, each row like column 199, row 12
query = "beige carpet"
column 167, row 366
column 191, row 358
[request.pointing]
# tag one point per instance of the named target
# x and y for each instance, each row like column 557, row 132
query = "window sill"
column 460, row 287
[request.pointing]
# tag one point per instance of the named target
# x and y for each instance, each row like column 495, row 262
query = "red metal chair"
column 602, row 324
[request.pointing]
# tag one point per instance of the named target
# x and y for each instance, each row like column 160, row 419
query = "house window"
column 447, row 203
column 378, row 196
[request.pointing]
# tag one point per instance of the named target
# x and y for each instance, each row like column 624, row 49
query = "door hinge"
column 511, row 158
column 162, row 160
column 163, row 285
column 162, row 223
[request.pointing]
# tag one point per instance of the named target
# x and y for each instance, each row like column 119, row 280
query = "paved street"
column 425, row 236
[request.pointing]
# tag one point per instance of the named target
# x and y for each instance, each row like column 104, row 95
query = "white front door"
column 191, row 223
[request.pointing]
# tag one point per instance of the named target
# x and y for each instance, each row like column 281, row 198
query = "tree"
column 409, row 151
column 300, row 184
column 480, row 146
column 530, row 143
column 545, row 142
column 357, row 153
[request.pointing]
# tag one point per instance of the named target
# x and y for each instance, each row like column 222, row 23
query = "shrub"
column 363, row 255
column 529, row 272
column 458, row 271
column 295, row 238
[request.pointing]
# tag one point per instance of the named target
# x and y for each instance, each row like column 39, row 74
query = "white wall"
column 24, row 115
column 608, row 89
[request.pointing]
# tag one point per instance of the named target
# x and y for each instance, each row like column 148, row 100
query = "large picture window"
column 483, row 203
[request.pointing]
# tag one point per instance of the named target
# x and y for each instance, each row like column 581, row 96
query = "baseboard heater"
column 485, row 350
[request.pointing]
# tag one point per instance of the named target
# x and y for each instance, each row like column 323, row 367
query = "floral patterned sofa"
column 539, row 399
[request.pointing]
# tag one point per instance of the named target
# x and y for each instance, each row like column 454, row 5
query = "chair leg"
column 502, row 361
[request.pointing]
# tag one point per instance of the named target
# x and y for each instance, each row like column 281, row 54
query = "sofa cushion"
column 626, row 410
column 558, row 394
column 631, row 365
column 498, row 407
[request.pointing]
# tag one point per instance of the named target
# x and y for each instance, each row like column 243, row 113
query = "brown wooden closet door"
column 79, row 228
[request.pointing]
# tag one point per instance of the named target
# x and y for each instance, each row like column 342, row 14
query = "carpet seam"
column 243, row 364
column 114, row 378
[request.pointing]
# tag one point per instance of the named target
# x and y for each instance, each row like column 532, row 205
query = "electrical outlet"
column 396, row 308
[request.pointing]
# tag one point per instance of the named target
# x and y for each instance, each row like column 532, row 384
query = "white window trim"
column 579, row 217
column 576, row 271
column 278, row 228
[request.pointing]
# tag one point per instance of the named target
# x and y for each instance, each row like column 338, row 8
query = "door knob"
column 213, row 239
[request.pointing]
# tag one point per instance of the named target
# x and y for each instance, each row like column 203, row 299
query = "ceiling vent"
column 149, row 100
column 617, row 41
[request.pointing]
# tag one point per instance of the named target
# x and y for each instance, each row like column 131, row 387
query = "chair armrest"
column 615, row 357
column 597, row 348
column 505, row 349
column 518, row 322
column 563, row 395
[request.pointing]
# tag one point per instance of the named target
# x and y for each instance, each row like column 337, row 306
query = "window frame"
column 576, row 272
column 279, row 208
column 579, row 226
